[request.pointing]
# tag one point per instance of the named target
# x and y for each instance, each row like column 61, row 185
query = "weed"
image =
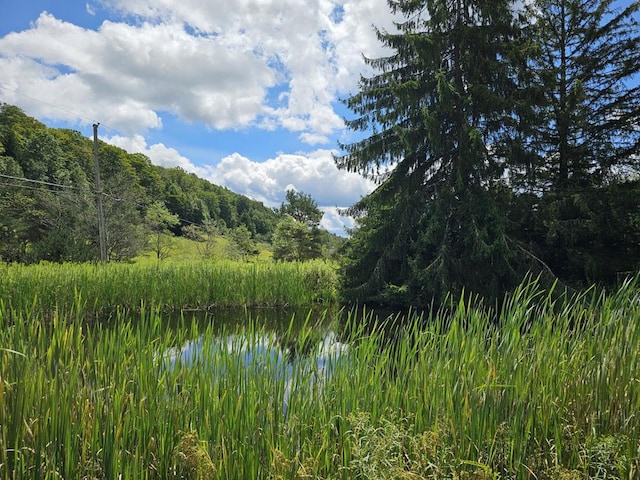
column 192, row 459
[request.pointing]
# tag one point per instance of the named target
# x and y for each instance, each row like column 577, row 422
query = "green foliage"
column 297, row 236
column 434, row 224
column 383, row 450
column 175, row 285
column 41, row 158
column 159, row 220
column 15, row 129
column 13, row 226
column 241, row 244
column 504, row 138
column 589, row 236
column 543, row 387
column 301, row 207
column 125, row 225
column 584, row 65
column 478, row 257
column 192, row 459
column 36, row 218
column 296, row 241
column 206, row 237
column 196, row 200
column 577, row 183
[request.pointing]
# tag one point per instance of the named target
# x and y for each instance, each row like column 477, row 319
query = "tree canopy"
column 578, row 168
column 297, row 236
column 493, row 128
column 301, row 207
column 55, row 219
column 436, row 107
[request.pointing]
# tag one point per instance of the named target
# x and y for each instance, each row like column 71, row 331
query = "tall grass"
column 173, row 286
column 545, row 388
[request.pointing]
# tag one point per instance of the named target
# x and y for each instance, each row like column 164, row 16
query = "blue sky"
column 245, row 93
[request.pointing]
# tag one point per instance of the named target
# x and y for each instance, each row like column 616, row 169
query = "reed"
column 174, row 286
column 546, row 387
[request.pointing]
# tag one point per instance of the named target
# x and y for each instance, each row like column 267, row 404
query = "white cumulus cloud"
column 158, row 153
column 313, row 173
column 255, row 62
column 127, row 74
column 272, row 65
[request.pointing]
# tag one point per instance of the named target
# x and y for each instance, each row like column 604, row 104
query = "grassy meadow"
column 181, row 249
column 546, row 387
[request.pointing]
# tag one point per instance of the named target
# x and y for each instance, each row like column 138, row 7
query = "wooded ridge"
column 48, row 202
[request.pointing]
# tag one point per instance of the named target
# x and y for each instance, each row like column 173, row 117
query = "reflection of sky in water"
column 260, row 355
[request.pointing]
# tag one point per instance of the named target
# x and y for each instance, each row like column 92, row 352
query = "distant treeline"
column 48, row 203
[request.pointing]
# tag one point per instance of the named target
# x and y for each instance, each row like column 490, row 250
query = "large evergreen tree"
column 437, row 110
column 582, row 136
column 585, row 65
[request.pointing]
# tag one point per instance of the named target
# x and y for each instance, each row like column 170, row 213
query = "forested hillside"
column 48, row 201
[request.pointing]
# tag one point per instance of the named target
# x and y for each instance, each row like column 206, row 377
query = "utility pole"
column 101, row 226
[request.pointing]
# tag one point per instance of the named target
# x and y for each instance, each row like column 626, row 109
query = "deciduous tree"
column 159, row 220
column 297, row 235
column 301, row 207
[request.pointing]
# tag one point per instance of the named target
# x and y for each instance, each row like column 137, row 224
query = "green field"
column 545, row 388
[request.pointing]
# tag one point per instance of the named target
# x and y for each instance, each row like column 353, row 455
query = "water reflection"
column 298, row 352
column 275, row 320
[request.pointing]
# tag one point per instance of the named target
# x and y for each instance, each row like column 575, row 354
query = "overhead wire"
column 76, row 191
column 26, row 187
column 79, row 189
column 41, row 182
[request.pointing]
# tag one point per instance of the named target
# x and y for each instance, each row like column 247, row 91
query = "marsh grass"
column 173, row 286
column 545, row 388
column 182, row 249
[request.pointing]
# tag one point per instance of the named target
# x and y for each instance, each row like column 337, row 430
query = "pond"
column 296, row 348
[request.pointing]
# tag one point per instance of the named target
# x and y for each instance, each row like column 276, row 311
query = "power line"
column 41, row 182
column 77, row 190
column 26, row 187
column 71, row 187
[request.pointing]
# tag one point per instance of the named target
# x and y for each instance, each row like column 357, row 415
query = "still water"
column 288, row 346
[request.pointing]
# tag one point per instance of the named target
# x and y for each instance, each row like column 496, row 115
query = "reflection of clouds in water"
column 261, row 355
column 262, row 350
column 331, row 346
column 317, row 366
column 249, row 351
